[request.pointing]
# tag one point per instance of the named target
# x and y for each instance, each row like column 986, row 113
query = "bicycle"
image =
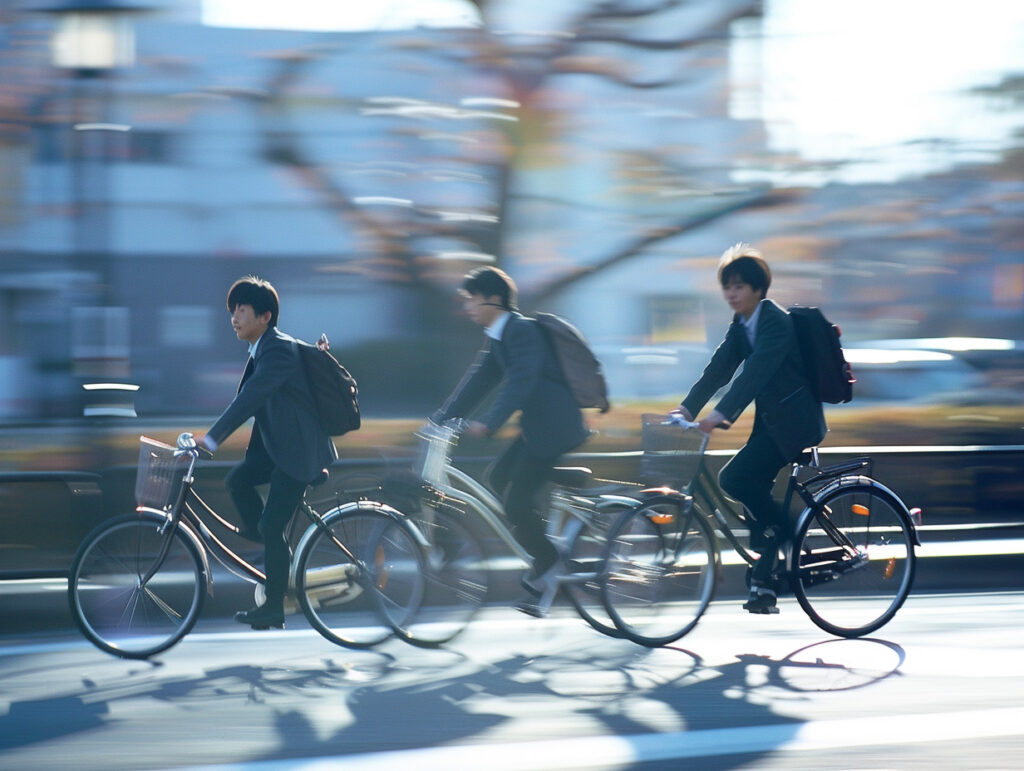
column 448, row 500
column 138, row 582
column 850, row 561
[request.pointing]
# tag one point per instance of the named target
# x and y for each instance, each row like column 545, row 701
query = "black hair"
column 257, row 292
column 744, row 263
column 488, row 282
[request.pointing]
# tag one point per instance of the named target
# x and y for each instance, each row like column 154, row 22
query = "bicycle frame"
column 704, row 491
column 446, row 479
column 187, row 513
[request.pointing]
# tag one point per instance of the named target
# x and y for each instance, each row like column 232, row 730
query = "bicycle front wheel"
column 661, row 566
column 355, row 596
column 853, row 563
column 117, row 604
column 455, row 582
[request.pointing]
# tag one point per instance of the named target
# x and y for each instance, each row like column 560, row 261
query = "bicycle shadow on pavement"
column 634, row 693
column 351, row 702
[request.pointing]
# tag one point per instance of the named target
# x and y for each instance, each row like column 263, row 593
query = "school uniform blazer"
column 531, row 382
column 277, row 394
column 772, row 377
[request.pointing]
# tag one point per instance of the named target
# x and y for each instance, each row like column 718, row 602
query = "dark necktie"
column 499, row 351
column 249, row 367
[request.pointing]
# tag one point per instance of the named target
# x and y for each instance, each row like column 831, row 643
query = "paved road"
column 938, row 687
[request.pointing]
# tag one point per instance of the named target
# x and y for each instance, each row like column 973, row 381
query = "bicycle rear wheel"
column 853, row 564
column 357, row 603
column 119, row 612
column 661, row 566
column 455, row 581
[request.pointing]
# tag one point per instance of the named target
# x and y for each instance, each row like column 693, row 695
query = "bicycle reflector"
column 662, row 518
column 861, row 510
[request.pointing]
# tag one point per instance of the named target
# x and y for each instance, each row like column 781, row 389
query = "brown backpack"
column 582, row 371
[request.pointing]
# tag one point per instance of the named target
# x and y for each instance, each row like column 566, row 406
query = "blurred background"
column 604, row 153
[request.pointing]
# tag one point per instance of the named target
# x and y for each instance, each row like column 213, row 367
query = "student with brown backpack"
column 518, row 361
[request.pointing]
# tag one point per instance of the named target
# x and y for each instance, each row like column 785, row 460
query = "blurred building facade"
column 364, row 172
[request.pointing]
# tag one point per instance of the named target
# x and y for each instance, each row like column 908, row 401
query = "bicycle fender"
column 664, row 495
column 346, row 508
column 838, row 484
column 617, row 500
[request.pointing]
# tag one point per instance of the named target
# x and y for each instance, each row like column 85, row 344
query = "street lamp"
column 92, row 35
column 91, row 39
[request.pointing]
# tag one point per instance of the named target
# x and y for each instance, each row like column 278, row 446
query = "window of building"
column 675, row 319
column 186, row 326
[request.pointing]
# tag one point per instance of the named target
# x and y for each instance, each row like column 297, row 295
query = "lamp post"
column 91, row 39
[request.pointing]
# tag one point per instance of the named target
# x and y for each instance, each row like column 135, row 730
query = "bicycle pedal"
column 763, row 611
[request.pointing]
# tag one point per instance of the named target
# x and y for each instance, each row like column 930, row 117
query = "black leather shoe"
column 763, row 603
column 261, row 617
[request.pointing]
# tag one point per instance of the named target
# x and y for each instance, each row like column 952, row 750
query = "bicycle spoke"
column 856, row 563
column 106, row 597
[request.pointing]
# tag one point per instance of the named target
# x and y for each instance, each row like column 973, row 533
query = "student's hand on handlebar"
column 715, row 420
column 187, row 441
column 678, row 418
column 681, row 412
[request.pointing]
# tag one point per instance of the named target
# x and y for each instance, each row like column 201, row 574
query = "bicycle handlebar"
column 675, row 419
column 187, row 445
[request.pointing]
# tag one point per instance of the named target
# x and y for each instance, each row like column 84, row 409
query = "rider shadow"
column 640, row 697
column 633, row 693
column 87, row 707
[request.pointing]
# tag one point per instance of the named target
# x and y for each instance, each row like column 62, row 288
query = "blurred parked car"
column 951, row 370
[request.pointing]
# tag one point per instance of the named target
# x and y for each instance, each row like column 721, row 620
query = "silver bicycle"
column 452, row 505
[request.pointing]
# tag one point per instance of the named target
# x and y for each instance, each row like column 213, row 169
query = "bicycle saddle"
column 571, row 476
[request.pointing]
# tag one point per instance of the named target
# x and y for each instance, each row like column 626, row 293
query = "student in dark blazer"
column 788, row 418
column 518, row 359
column 287, row 449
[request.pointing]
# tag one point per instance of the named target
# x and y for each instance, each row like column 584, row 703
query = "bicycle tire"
column 586, row 554
column 358, row 604
column 850, row 592
column 661, row 568
column 110, row 605
column 456, row 581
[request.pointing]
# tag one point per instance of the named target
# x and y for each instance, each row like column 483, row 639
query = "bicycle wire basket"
column 671, row 453
column 436, row 445
column 159, row 474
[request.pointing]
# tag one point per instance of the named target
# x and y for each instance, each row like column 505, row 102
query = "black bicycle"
column 850, row 562
column 138, row 581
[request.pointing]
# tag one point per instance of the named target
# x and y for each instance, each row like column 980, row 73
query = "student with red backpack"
column 789, row 417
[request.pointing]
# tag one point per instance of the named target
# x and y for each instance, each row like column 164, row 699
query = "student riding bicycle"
column 788, row 417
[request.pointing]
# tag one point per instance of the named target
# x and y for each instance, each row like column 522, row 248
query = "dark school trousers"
column 749, row 478
column 269, row 518
column 517, row 477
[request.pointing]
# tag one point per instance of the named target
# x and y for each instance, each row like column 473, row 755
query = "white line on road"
column 612, row 751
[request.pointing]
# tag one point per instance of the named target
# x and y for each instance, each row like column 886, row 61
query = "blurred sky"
column 343, row 15
column 892, row 83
